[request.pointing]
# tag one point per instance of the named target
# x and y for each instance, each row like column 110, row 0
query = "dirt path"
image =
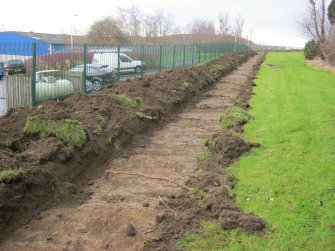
column 118, row 200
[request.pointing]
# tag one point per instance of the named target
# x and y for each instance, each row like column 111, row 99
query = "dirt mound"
column 214, row 199
column 49, row 170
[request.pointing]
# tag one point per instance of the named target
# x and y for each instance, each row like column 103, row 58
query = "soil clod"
column 131, row 231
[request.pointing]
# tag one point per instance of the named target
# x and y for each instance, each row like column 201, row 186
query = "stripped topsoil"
column 53, row 173
column 214, row 199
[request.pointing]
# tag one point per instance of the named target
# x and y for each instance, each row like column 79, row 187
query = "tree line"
column 132, row 25
column 318, row 24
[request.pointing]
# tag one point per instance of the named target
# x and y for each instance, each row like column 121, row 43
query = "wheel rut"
column 118, row 200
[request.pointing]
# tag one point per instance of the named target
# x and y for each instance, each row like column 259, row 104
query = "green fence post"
column 184, row 54
column 193, row 47
column 142, row 59
column 84, row 70
column 33, row 77
column 235, row 44
column 199, row 51
column 118, row 62
column 210, row 51
column 160, row 57
column 174, row 56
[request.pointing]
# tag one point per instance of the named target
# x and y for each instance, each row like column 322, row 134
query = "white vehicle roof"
column 46, row 71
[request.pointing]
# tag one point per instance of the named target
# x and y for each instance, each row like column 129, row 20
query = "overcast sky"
column 272, row 21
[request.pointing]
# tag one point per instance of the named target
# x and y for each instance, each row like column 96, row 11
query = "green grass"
column 290, row 179
column 198, row 192
column 8, row 176
column 101, row 124
column 203, row 156
column 187, row 86
column 126, row 101
column 209, row 142
column 235, row 116
column 69, row 131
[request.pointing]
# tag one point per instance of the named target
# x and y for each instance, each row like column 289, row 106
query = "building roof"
column 52, row 38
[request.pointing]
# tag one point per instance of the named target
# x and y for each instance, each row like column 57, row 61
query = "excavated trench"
column 121, row 213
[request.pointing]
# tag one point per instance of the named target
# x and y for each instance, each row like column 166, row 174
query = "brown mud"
column 65, row 202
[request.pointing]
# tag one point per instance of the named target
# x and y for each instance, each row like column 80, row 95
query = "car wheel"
column 138, row 69
column 96, row 85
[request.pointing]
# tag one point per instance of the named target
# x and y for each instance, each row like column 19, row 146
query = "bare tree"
column 149, row 25
column 159, row 24
column 314, row 23
column 331, row 12
column 167, row 24
column 130, row 20
column 224, row 23
column 202, row 26
column 239, row 26
column 164, row 22
column 106, row 31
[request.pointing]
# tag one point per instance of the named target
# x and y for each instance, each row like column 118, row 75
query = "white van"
column 111, row 59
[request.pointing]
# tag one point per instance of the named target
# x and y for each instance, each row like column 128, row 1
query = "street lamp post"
column 75, row 15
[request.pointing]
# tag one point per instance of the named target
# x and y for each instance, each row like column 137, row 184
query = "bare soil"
column 68, row 199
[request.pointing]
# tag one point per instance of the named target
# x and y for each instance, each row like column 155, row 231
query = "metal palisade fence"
column 35, row 72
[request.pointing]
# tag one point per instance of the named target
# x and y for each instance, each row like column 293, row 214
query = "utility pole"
column 72, row 30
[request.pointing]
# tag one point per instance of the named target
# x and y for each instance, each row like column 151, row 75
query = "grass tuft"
column 209, row 142
column 8, row 176
column 203, row 156
column 187, row 86
column 126, row 101
column 14, row 145
column 71, row 132
column 198, row 192
column 235, row 116
column 101, row 125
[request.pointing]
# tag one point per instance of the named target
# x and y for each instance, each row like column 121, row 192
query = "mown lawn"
column 290, row 179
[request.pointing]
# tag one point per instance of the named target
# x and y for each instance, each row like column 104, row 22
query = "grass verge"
column 290, row 179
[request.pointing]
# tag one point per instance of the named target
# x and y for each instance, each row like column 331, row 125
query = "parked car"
column 13, row 66
column 127, row 64
column 48, row 87
column 98, row 74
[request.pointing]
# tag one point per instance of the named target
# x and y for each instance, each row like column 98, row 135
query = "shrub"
column 329, row 50
column 312, row 50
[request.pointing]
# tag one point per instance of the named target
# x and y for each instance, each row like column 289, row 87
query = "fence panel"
column 18, row 91
column 49, row 74
column 3, row 108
